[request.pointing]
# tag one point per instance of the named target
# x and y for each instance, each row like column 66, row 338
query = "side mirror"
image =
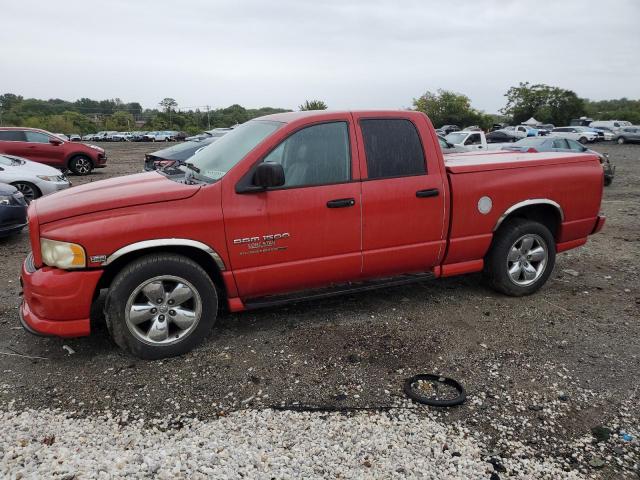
column 268, row 174
column 55, row 141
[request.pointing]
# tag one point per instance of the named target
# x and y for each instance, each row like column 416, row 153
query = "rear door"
column 306, row 233
column 39, row 149
column 403, row 196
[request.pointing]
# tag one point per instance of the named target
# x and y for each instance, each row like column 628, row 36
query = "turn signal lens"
column 62, row 254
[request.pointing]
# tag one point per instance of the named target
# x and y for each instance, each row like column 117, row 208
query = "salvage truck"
column 298, row 206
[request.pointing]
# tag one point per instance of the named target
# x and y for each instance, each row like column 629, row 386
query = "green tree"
column 445, row 107
column 547, row 104
column 619, row 109
column 119, row 121
column 168, row 105
column 313, row 105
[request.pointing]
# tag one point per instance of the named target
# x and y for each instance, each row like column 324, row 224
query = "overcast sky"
column 349, row 53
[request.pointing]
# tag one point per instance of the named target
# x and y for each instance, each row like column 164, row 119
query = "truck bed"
column 486, row 161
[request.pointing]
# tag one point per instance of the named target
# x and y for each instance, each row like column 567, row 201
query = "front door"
column 403, row 198
column 306, row 233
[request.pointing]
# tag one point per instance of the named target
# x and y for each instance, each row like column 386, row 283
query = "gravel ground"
column 541, row 372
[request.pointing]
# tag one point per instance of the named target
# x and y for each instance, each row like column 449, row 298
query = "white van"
column 613, row 125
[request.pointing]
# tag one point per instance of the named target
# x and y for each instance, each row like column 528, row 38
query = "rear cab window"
column 392, row 148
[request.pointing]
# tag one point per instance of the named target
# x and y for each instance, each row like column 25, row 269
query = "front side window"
column 315, row 155
column 215, row 160
column 36, row 137
column 474, row 139
column 575, row 146
column 11, row 136
column 393, row 148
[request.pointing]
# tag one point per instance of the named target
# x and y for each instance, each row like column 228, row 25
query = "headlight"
column 5, row 200
column 47, row 178
column 62, row 254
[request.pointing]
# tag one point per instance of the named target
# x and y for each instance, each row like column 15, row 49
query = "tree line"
column 546, row 103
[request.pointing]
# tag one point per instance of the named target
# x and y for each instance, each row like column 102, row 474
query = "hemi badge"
column 98, row 258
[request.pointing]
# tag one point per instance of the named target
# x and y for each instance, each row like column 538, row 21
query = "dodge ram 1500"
column 298, row 206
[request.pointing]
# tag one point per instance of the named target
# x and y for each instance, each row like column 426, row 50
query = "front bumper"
column 57, row 302
column 51, row 187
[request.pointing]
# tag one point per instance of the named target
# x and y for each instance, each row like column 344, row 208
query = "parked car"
column 88, row 137
column 163, row 136
column 557, row 144
column 31, row 178
column 176, row 155
column 121, row 137
column 45, row 147
column 74, row 137
column 604, row 133
column 13, row 210
column 580, row 134
column 613, row 125
column 447, row 129
column 518, row 131
column 138, row 136
column 628, row 135
column 284, row 208
column 500, row 136
column 580, row 122
column 99, row 137
column 472, row 128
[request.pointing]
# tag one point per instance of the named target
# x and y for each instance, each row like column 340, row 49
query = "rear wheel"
column 621, row 140
column 521, row 258
column 583, row 140
column 161, row 305
column 81, row 165
column 28, row 189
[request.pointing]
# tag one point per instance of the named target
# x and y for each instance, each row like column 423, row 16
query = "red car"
column 298, row 206
column 45, row 147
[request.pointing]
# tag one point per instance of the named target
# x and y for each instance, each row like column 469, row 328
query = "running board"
column 334, row 291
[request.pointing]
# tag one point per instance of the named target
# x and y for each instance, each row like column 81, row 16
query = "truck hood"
column 111, row 194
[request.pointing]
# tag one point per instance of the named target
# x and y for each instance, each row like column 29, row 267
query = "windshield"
column 214, row 161
column 529, row 142
column 456, row 137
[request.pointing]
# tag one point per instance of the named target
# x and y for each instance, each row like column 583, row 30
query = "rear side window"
column 393, row 148
column 560, row 143
column 11, row 136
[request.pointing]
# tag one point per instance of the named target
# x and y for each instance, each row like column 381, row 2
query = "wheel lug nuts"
column 154, row 310
column 159, row 300
column 172, row 312
column 161, row 318
column 171, row 302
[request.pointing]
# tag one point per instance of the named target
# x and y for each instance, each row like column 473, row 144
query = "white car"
column 121, row 137
column 33, row 179
column 163, row 136
column 579, row 134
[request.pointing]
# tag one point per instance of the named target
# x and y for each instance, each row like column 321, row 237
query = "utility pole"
column 208, row 119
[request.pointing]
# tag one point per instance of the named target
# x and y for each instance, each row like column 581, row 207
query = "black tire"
column 141, row 271
column 583, row 140
column 621, row 140
column 497, row 260
column 81, row 165
column 28, row 189
column 607, row 181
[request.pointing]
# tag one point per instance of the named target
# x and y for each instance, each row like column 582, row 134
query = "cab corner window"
column 315, row 155
column 393, row 148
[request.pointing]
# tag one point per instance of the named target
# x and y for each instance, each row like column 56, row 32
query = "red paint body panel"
column 386, row 231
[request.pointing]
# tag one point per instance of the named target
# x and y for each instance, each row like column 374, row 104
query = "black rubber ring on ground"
column 413, row 395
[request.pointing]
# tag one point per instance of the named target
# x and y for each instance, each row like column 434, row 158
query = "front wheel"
column 583, row 140
column 521, row 258
column 621, row 140
column 81, row 165
column 28, row 189
column 161, row 305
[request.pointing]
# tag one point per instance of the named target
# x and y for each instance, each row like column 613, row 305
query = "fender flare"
column 165, row 242
column 527, row 203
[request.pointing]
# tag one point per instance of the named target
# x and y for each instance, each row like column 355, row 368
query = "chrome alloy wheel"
column 27, row 190
column 83, row 166
column 527, row 259
column 163, row 310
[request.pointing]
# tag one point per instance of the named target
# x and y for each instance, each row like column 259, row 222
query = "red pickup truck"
column 298, row 206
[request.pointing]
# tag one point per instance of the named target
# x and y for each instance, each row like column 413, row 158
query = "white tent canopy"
column 532, row 122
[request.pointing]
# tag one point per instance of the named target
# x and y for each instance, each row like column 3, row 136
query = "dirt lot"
column 543, row 370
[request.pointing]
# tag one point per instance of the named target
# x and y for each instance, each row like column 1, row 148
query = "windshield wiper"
column 191, row 166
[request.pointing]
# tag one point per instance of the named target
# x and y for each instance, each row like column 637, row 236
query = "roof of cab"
column 289, row 117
